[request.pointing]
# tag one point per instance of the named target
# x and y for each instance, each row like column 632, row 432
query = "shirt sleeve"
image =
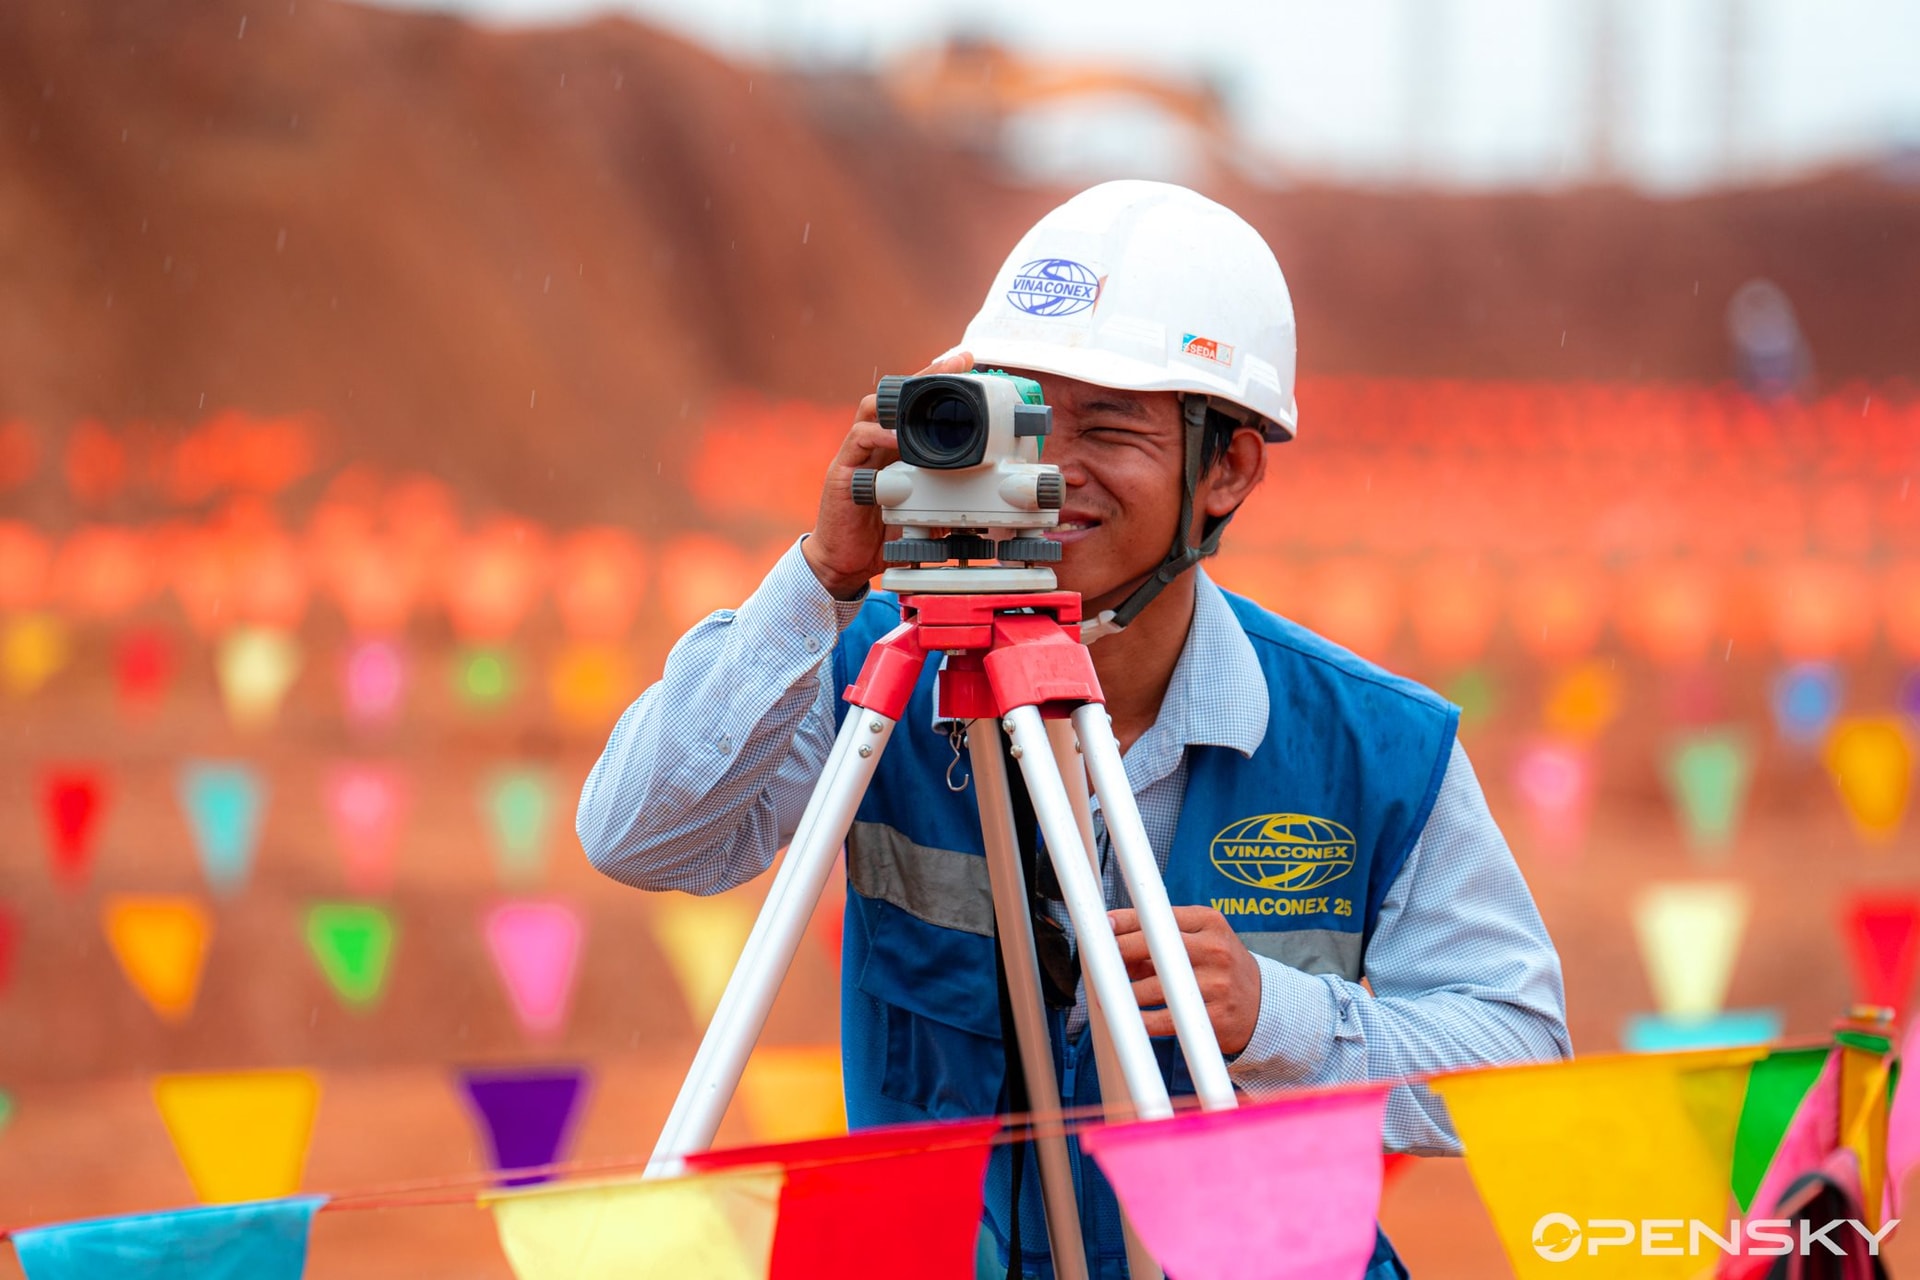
column 1462, row 974
column 706, row 775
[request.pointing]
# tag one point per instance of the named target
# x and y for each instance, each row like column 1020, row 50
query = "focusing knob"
column 915, row 551
column 864, row 479
column 1049, row 490
column 969, row 546
column 886, row 400
column 1032, row 550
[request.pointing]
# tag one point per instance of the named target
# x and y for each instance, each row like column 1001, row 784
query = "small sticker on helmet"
column 1055, row 287
column 1207, row 349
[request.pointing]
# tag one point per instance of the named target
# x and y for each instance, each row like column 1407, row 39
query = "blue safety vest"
column 1296, row 845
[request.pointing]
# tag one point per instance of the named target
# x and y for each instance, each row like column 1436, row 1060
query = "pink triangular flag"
column 1209, row 1190
column 1903, row 1124
column 1809, row 1139
column 536, row 948
column 365, row 802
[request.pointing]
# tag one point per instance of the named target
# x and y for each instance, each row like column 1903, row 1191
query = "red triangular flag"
column 1393, row 1166
column 1881, row 942
column 882, row 1202
column 72, row 799
column 142, row 665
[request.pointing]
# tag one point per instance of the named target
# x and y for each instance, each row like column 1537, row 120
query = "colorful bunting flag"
column 493, row 578
column 1689, row 938
column 1583, row 701
column 6, row 1110
column 517, row 803
column 241, row 1135
column 366, row 803
column 374, row 677
column 33, row 647
column 702, row 938
column 1866, row 1077
column 882, row 1202
column 1903, row 1121
column 9, row 934
column 1555, row 1146
column 527, row 1115
column 1708, row 773
column 1294, row 1183
column 1907, row 702
column 72, row 800
column 590, row 685
column 1476, row 694
column 484, row 678
column 1812, row 1135
column 161, row 944
column 1871, row 762
column 1554, row 780
column 599, row 575
column 1883, row 944
column 256, row 666
column 1806, row 698
column 718, row 1226
column 793, row 1092
column 536, row 950
column 352, row 942
column 1657, row 1033
column 142, row 665
column 265, row 1240
column 1776, row 1086
column 224, row 804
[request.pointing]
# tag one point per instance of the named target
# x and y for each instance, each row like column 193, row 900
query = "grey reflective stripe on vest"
column 943, row 887
column 1310, row 950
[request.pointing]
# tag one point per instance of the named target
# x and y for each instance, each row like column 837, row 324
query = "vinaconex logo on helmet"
column 1054, row 287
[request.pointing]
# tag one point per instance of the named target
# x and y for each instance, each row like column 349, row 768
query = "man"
column 1317, row 822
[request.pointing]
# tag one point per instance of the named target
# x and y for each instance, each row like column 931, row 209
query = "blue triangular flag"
column 260, row 1240
column 1653, row 1033
column 1806, row 698
column 224, row 803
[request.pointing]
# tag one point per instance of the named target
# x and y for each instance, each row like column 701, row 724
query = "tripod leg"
column 1100, row 960
column 1015, row 928
column 1135, row 855
column 1115, row 1101
column 795, row 892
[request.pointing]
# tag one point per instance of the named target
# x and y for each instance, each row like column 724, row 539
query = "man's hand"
column 1229, row 975
column 844, row 551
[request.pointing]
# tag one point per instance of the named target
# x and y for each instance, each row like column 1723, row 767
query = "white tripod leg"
column 1015, row 928
column 1115, row 1102
column 1100, row 960
column 1142, row 872
column 777, row 931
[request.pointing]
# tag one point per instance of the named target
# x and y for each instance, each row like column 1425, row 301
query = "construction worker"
column 1160, row 328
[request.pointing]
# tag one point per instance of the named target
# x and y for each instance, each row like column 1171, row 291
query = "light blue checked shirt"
column 705, row 777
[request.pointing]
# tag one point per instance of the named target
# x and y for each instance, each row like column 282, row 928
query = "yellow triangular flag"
column 1555, row 1148
column 1871, row 760
column 591, row 685
column 256, row 666
column 702, row 938
column 160, row 943
column 1583, row 701
column 1689, row 938
column 1864, row 1078
column 242, row 1135
column 717, row 1226
column 32, row 648
column 793, row 1093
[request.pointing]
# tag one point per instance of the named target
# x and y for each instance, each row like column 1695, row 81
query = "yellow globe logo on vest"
column 1284, row 851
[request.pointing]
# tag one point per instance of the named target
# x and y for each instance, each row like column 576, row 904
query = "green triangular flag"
column 6, row 1108
column 518, row 802
column 352, row 943
column 1708, row 774
column 483, row 677
column 1775, row 1087
column 1474, row 693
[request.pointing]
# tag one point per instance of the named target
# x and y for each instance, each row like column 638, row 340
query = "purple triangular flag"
column 527, row 1112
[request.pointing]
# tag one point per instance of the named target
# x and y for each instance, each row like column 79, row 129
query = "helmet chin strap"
column 1184, row 555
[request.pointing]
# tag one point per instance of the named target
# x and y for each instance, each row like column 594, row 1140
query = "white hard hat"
column 1146, row 286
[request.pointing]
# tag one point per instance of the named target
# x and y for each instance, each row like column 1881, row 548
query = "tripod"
column 1013, row 659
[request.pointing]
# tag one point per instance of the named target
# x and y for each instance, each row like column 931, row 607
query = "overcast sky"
column 1480, row 92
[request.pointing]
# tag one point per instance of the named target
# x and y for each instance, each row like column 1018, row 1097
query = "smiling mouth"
column 1074, row 526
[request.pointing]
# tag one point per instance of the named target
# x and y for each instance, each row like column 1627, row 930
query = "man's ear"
column 1239, row 469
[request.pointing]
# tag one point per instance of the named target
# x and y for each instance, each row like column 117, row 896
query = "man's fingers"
column 1196, row 919
column 952, row 362
column 1124, row 920
column 1147, row 992
column 1159, row 1022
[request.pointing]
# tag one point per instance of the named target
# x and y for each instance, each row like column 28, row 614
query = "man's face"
column 1120, row 453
